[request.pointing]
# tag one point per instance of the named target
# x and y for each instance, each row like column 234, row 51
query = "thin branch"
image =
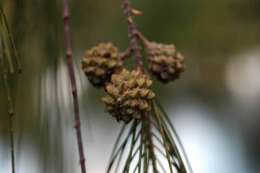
column 133, row 34
column 127, row 53
column 71, row 71
column 11, row 112
column 11, row 122
column 11, row 40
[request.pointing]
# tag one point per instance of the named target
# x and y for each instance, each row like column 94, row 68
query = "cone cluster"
column 165, row 62
column 100, row 62
column 129, row 95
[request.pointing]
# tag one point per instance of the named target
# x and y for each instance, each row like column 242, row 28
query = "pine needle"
column 158, row 144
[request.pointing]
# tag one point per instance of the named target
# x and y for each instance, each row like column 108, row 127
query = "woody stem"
column 133, row 33
column 71, row 71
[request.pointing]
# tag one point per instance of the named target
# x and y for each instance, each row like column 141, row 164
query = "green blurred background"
column 214, row 106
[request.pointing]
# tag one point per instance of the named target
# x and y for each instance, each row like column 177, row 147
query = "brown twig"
column 145, row 41
column 135, row 39
column 11, row 40
column 67, row 37
column 127, row 53
column 11, row 122
column 11, row 113
column 133, row 34
column 5, row 72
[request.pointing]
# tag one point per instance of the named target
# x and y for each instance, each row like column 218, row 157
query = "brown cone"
column 128, row 95
column 165, row 62
column 100, row 62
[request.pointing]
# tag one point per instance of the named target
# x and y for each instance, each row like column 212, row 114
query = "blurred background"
column 214, row 106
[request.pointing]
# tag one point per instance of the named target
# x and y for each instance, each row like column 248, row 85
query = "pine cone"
column 128, row 95
column 100, row 62
column 165, row 62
